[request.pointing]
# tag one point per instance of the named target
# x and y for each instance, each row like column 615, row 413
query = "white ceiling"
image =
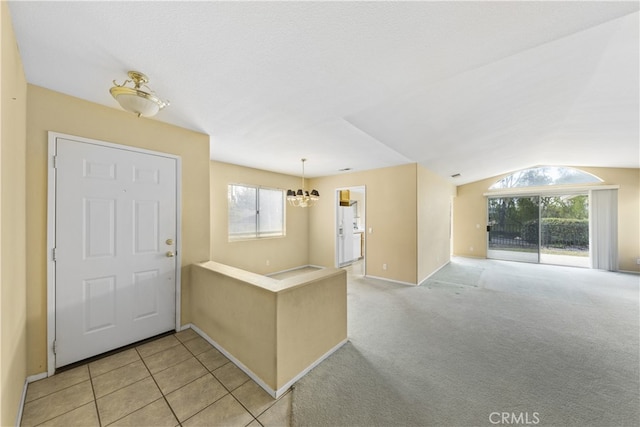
column 476, row 88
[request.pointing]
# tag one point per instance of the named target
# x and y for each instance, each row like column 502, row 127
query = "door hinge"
column 55, row 347
column 55, row 162
column 54, row 254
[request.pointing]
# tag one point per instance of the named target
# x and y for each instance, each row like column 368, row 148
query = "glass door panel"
column 513, row 229
column 565, row 230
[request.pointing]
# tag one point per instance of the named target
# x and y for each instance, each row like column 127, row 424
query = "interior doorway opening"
column 350, row 228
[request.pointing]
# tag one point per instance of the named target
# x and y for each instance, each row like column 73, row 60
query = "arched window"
column 545, row 175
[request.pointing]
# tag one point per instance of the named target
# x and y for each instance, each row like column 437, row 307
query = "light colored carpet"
column 559, row 345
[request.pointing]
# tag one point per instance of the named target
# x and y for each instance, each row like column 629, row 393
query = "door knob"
column 169, row 242
column 170, row 254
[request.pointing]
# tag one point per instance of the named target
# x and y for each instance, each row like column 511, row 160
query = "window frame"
column 237, row 237
column 503, row 183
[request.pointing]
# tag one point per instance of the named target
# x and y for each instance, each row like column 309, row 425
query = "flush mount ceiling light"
column 135, row 99
column 302, row 198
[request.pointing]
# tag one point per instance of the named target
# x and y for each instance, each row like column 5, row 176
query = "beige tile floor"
column 176, row 380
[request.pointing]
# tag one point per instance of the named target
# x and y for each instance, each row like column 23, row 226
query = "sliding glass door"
column 513, row 231
column 546, row 229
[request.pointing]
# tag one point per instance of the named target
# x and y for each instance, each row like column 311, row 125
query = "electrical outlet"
column 384, row 266
column 268, row 262
column 638, row 261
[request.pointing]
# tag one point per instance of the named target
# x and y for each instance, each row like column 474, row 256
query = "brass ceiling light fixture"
column 139, row 99
column 302, row 198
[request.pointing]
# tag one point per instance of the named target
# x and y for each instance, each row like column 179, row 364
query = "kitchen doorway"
column 350, row 228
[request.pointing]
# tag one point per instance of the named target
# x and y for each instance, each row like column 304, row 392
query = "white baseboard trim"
column 27, row 380
column 236, row 362
column 22, row 399
column 36, row 377
column 273, row 393
column 390, row 280
column 434, row 272
column 305, row 371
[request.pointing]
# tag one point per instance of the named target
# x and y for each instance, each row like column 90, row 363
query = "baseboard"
column 239, row 364
column 27, row 380
column 470, row 256
column 305, row 371
column 390, row 280
column 273, row 393
column 22, row 399
column 434, row 272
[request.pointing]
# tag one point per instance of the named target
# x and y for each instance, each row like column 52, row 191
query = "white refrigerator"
column 345, row 235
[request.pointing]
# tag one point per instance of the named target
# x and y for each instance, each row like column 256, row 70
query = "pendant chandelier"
column 302, row 198
column 139, row 99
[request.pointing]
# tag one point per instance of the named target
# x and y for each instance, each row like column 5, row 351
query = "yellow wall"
column 52, row 111
column 275, row 328
column 413, row 241
column 281, row 253
column 390, row 213
column 470, row 209
column 312, row 319
column 13, row 305
column 237, row 315
column 434, row 222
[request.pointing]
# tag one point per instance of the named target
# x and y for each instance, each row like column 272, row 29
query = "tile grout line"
column 95, row 399
column 255, row 418
column 53, row 392
column 273, row 404
column 159, row 389
column 92, row 377
column 58, row 391
column 199, row 361
column 117, row 390
column 229, row 392
column 241, row 404
column 49, row 394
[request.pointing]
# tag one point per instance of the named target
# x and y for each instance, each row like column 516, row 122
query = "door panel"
column 99, row 303
column 146, row 227
column 564, row 233
column 146, row 293
column 115, row 222
column 513, row 228
column 98, row 232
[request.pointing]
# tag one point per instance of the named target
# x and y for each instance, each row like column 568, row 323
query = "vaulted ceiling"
column 475, row 88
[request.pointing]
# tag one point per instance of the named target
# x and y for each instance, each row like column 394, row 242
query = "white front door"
column 115, row 246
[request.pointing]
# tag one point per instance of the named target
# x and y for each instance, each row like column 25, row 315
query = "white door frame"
column 335, row 224
column 51, row 231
